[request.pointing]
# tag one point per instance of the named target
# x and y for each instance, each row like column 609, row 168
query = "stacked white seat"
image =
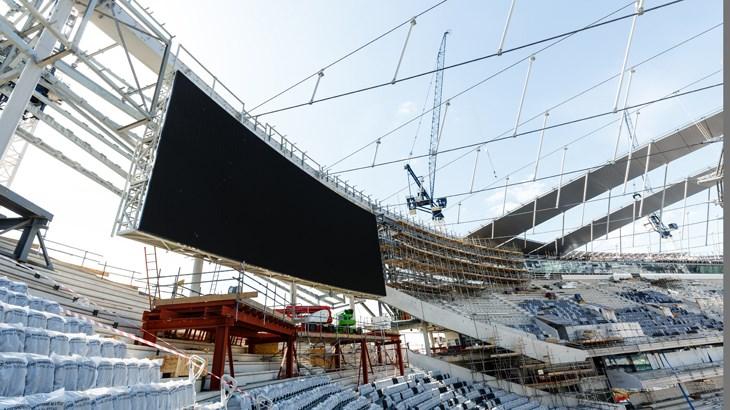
column 51, row 361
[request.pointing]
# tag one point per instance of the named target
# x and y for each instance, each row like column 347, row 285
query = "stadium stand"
column 418, row 390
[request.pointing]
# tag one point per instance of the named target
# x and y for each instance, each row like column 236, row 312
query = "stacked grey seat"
column 563, row 310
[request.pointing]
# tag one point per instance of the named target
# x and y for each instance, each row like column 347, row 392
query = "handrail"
column 108, row 271
column 270, row 134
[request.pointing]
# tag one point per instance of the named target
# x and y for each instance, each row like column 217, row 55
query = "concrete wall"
column 605, row 330
column 686, row 357
column 501, row 335
column 686, row 276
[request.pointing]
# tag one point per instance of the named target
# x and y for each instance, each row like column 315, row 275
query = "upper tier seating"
column 658, row 325
column 563, row 311
column 648, row 296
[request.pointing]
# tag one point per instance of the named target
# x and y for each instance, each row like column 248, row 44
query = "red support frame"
column 223, row 319
column 219, row 356
column 338, row 356
column 364, row 361
column 289, row 359
column 399, row 356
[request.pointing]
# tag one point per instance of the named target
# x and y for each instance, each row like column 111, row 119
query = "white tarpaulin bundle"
column 119, row 372
column 163, row 396
column 55, row 322
column 55, row 400
column 17, row 298
column 12, row 338
column 104, row 372
column 40, row 373
column 59, row 343
column 87, row 373
column 37, row 319
column 15, row 314
column 93, row 346
column 66, row 372
column 37, row 341
column 13, row 370
column 77, row 344
column 20, row 287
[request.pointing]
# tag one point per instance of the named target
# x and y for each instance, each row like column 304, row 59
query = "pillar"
column 289, row 360
column 219, row 356
column 426, row 338
column 364, row 361
column 293, row 294
column 399, row 358
column 197, row 277
column 230, row 357
column 338, row 355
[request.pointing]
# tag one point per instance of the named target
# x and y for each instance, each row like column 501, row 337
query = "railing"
column 93, row 260
column 546, row 265
column 184, row 60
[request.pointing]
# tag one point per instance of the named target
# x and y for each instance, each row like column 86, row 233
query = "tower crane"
column 425, row 199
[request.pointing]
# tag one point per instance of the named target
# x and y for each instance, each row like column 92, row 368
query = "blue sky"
column 259, row 48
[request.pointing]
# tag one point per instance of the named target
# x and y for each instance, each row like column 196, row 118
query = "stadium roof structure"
column 507, row 229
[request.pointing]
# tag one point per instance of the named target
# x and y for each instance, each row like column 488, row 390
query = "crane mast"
column 425, row 200
column 436, row 115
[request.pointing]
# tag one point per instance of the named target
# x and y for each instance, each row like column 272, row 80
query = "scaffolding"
column 435, row 266
column 424, row 262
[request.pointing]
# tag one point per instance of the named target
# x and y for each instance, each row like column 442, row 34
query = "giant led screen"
column 217, row 187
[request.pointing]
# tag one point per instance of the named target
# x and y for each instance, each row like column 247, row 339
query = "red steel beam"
column 219, row 356
column 289, row 360
column 364, row 361
column 174, row 324
column 399, row 358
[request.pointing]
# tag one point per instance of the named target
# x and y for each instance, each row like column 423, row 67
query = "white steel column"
column 646, row 174
column 661, row 210
column 30, row 75
column 474, row 173
column 14, row 153
column 707, row 220
column 504, row 202
column 426, row 338
column 608, row 213
column 403, row 51
column 197, row 277
column 684, row 215
column 585, row 191
column 524, row 94
column 293, row 294
column 539, row 147
column 639, row 8
column 560, row 183
column 506, row 27
column 623, row 117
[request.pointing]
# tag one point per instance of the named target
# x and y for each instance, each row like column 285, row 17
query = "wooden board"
column 175, row 366
column 205, row 298
column 266, row 348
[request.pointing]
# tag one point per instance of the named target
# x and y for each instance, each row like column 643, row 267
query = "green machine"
column 346, row 321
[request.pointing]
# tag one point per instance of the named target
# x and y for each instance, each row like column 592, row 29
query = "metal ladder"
column 150, row 264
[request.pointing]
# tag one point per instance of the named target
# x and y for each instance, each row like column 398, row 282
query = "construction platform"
column 224, row 317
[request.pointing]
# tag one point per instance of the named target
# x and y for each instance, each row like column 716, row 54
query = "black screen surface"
column 218, row 187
